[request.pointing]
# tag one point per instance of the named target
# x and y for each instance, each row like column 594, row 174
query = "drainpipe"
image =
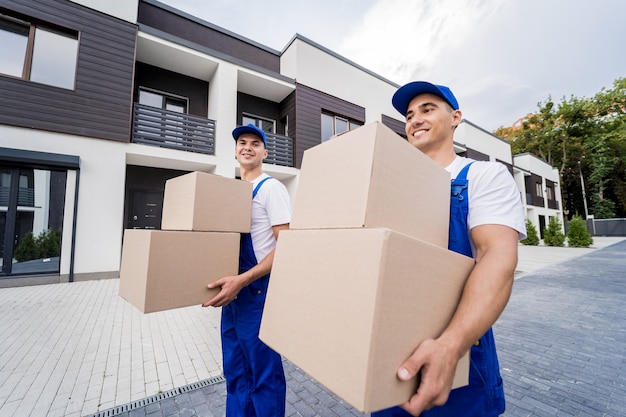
column 73, row 245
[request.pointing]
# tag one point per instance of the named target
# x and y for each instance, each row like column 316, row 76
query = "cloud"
column 404, row 40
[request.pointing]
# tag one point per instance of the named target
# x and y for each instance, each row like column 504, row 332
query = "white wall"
column 472, row 137
column 318, row 69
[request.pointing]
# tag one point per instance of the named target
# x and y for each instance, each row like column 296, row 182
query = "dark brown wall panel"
column 100, row 105
column 258, row 106
column 394, row 124
column 309, row 106
column 164, row 18
column 197, row 91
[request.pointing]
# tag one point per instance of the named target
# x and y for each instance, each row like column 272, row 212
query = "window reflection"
column 54, row 59
column 31, row 222
column 37, row 53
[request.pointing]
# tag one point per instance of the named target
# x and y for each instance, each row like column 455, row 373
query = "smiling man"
column 486, row 222
column 255, row 380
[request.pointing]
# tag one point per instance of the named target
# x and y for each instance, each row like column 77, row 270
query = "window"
column 333, row 125
column 539, row 189
column 162, row 101
column 36, row 53
column 550, row 193
column 266, row 125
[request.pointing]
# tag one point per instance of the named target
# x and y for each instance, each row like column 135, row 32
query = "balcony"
column 185, row 132
column 168, row 129
column 279, row 149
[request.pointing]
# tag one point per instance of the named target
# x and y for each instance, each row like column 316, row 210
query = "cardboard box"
column 348, row 306
column 372, row 177
column 162, row 270
column 206, row 202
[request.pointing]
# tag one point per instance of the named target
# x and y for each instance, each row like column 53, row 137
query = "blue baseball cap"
column 407, row 92
column 250, row 128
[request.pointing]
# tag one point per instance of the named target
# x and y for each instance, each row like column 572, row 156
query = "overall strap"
column 256, row 189
column 458, row 233
column 459, row 184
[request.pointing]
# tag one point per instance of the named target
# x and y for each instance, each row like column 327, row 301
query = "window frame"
column 334, row 117
column 33, row 25
column 257, row 118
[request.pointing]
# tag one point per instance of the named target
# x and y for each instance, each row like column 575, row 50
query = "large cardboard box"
column 348, row 306
column 372, row 177
column 206, row 202
column 162, row 270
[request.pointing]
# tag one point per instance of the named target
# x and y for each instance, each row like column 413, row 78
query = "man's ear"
column 457, row 116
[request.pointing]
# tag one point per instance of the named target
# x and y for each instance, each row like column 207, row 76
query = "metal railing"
column 279, row 149
column 185, row 132
column 168, row 129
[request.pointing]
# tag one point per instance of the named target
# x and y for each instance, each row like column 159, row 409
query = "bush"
column 532, row 238
column 604, row 209
column 46, row 245
column 577, row 234
column 27, row 249
column 49, row 243
column 553, row 235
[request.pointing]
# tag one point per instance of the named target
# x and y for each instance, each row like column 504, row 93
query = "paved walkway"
column 78, row 349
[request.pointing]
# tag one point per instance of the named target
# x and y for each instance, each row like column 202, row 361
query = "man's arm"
column 484, row 297
column 230, row 286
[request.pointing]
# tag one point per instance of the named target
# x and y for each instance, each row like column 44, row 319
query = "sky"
column 501, row 58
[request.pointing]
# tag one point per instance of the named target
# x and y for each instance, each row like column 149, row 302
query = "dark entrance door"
column 542, row 225
column 145, row 210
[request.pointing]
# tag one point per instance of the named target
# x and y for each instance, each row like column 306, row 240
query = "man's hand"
column 435, row 363
column 230, row 287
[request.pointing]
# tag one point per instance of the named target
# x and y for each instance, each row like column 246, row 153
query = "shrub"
column 553, row 235
column 47, row 244
column 27, row 249
column 577, row 234
column 532, row 238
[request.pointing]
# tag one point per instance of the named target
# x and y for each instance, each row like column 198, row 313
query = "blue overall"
column 255, row 380
column 484, row 396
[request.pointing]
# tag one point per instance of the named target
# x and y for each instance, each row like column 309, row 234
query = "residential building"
column 102, row 102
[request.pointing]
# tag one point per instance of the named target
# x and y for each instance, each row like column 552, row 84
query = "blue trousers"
column 255, row 379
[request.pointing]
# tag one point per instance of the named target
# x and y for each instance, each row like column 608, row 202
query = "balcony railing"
column 185, row 132
column 279, row 149
column 168, row 129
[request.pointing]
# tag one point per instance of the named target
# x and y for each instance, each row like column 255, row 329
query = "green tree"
column 553, row 236
column 577, row 234
column 532, row 238
column 49, row 243
column 27, row 249
column 582, row 137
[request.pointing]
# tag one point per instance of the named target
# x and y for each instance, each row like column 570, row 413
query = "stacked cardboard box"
column 364, row 275
column 203, row 216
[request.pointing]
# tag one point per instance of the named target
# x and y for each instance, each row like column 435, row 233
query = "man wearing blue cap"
column 255, row 379
column 486, row 222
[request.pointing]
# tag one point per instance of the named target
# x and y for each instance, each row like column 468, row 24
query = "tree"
column 27, row 249
column 577, row 234
column 532, row 238
column 553, row 236
column 581, row 136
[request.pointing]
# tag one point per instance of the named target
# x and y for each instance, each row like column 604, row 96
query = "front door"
column 145, row 211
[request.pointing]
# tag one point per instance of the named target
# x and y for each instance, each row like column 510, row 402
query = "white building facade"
column 152, row 94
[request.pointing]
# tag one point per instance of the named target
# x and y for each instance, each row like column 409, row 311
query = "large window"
column 31, row 219
column 334, row 125
column 163, row 101
column 37, row 53
column 266, row 125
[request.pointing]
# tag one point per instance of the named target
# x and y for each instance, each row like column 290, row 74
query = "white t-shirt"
column 493, row 195
column 270, row 207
